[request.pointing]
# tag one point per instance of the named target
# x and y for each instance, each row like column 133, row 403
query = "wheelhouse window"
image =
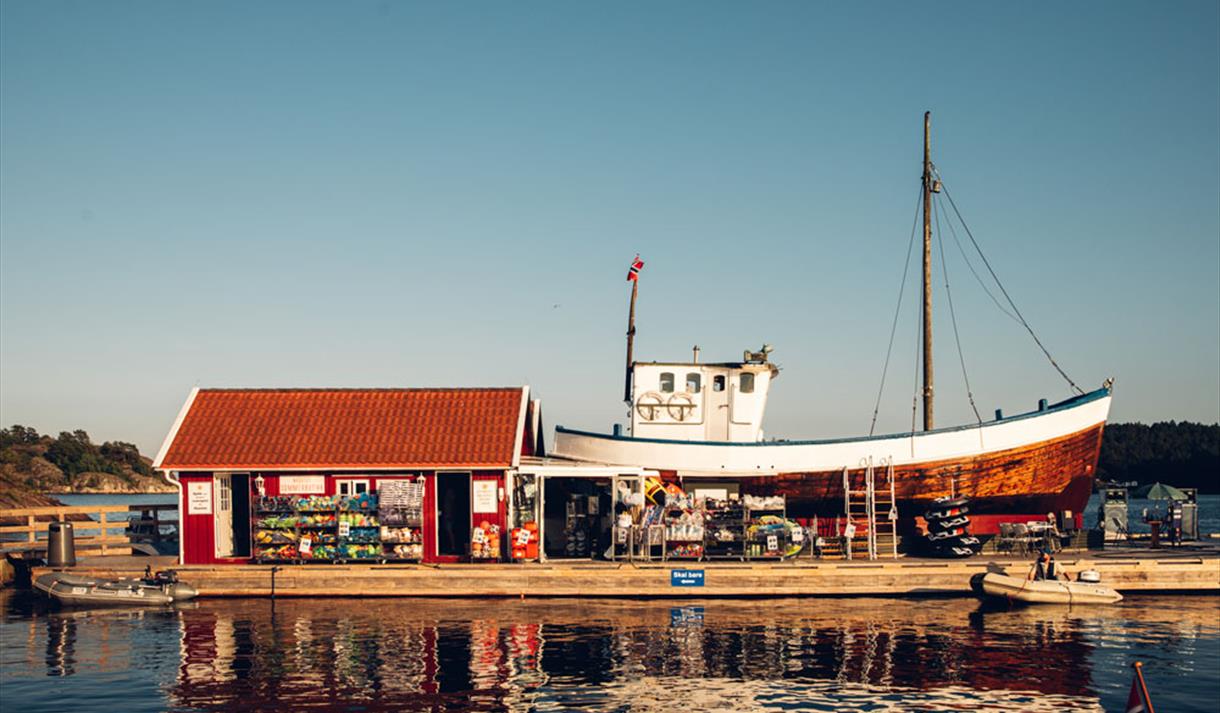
column 667, row 382
column 746, row 383
column 694, row 382
column 717, row 383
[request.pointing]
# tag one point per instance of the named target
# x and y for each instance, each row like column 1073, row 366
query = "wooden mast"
column 635, row 290
column 927, row 271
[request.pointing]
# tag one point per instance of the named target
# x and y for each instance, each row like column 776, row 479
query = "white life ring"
column 680, row 405
column 649, row 405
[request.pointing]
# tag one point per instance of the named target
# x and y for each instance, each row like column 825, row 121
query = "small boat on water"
column 69, row 589
column 995, row 585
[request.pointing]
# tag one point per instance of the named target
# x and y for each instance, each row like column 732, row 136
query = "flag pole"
column 1139, row 676
column 635, row 291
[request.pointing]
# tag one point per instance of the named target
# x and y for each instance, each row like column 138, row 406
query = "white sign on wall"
column 199, row 498
column 485, row 496
column 302, row 484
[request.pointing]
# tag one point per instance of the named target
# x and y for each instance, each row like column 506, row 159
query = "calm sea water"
column 587, row 655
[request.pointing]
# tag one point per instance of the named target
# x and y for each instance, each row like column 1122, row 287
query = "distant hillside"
column 72, row 463
column 1184, row 454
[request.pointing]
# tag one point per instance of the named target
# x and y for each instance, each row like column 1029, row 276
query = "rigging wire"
column 969, row 264
column 944, row 267
column 1003, row 291
column 902, row 288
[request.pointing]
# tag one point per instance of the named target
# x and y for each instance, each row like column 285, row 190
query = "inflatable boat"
column 1048, row 591
column 69, row 589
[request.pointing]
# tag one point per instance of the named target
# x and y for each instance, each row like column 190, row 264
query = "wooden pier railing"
column 93, row 527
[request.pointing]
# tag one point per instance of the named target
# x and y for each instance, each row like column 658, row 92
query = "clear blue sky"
column 400, row 194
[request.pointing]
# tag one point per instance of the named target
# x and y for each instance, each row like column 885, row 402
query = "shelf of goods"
column 295, row 529
column 767, row 530
column 725, row 527
column 684, row 529
column 400, row 510
column 359, row 529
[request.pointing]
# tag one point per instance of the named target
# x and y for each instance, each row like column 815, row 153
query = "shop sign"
column 686, row 578
column 302, row 484
column 199, row 498
column 305, row 546
column 485, row 496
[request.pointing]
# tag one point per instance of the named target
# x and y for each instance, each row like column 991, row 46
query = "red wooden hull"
column 1050, row 476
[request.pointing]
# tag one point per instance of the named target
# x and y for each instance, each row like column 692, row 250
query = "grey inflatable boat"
column 154, row 590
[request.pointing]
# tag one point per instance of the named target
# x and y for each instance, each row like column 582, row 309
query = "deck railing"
column 93, row 534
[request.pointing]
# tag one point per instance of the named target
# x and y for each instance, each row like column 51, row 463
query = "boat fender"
column 942, row 525
column 942, row 513
column 946, row 534
column 944, row 503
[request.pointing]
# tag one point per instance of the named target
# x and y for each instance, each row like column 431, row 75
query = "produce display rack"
column 339, row 530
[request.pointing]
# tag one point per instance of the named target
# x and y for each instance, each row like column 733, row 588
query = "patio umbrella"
column 1158, row 491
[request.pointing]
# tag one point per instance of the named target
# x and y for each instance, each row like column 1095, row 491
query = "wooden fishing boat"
column 694, row 420
column 1046, row 591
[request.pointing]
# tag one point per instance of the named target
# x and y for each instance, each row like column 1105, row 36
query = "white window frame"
column 340, row 482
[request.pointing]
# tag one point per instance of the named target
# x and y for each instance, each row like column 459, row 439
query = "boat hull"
column 1019, row 589
column 74, row 590
column 1022, row 467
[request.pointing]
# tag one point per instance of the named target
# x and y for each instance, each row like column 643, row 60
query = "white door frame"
column 222, row 519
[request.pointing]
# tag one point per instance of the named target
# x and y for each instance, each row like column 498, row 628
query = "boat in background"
column 695, row 420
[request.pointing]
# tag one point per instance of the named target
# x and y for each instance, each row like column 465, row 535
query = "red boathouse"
column 247, row 461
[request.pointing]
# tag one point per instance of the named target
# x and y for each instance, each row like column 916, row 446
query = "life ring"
column 680, row 405
column 649, row 404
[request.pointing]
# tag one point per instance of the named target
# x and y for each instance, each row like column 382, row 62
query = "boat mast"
column 635, row 290
column 927, row 271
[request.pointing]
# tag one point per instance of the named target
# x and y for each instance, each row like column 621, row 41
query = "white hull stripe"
column 772, row 457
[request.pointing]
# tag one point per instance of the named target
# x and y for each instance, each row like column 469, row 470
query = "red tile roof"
column 266, row 429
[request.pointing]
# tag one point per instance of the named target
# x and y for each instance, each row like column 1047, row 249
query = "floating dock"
column 1143, row 572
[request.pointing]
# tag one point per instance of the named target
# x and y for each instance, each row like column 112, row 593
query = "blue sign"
column 686, row 577
column 685, row 616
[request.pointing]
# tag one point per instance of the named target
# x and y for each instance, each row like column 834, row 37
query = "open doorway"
column 577, row 517
column 453, row 514
column 231, row 494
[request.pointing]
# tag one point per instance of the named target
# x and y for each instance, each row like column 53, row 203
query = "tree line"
column 73, row 452
column 1178, row 453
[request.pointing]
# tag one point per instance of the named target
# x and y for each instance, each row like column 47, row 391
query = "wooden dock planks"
column 901, row 578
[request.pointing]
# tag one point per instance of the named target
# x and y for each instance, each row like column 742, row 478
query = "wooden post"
column 927, row 271
column 32, row 523
column 101, row 520
column 635, row 291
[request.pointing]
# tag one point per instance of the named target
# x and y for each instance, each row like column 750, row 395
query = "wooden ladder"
column 884, row 524
column 870, row 506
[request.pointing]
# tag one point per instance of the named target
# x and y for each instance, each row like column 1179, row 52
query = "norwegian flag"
column 1138, row 700
column 633, row 272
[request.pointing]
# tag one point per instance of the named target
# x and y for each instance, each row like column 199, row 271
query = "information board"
column 199, row 498
column 485, row 499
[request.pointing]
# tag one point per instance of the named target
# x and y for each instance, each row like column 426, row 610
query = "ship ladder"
column 884, row 522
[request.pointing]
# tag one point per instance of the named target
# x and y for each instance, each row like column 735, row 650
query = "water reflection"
column 372, row 654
